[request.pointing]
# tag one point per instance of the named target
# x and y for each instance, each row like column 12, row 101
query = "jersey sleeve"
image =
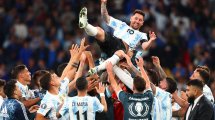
column 64, row 86
column 114, row 23
column 65, row 108
column 144, row 37
column 98, row 107
column 20, row 112
column 45, row 108
column 122, row 96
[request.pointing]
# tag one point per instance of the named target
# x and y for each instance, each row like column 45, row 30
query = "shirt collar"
column 197, row 100
column 21, row 85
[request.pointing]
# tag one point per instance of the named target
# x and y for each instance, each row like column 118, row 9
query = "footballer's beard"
column 191, row 99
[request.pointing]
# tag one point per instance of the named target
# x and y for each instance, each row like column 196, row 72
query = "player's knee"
column 120, row 53
column 100, row 35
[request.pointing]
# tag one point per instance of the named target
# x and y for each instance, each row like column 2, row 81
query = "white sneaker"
column 92, row 71
column 83, row 18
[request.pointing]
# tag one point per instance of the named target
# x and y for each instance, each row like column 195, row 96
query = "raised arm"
column 104, row 11
column 89, row 59
column 78, row 73
column 75, row 53
column 160, row 70
column 147, row 45
column 131, row 66
column 101, row 91
column 115, row 86
column 182, row 103
column 143, row 72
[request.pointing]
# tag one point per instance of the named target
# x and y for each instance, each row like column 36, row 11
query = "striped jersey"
column 50, row 103
column 81, row 108
column 124, row 32
column 156, row 109
column 26, row 92
column 208, row 94
column 164, row 99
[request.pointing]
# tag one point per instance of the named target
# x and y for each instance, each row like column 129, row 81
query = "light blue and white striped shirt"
column 81, row 108
column 50, row 103
column 164, row 99
column 126, row 33
column 156, row 109
column 208, row 94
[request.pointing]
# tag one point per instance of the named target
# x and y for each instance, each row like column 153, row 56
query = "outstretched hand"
column 128, row 59
column 101, row 88
column 155, row 60
column 82, row 47
column 152, row 36
column 139, row 62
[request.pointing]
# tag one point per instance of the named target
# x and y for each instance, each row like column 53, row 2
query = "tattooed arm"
column 104, row 11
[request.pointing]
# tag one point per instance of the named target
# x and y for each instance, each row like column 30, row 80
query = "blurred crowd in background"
column 39, row 33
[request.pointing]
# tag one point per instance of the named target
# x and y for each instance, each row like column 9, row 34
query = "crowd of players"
column 129, row 89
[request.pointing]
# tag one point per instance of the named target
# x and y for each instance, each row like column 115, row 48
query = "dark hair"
column 45, row 81
column 197, row 83
column 16, row 70
column 153, row 76
column 139, row 83
column 81, row 84
column 203, row 67
column 2, row 82
column 172, row 85
column 60, row 68
column 10, row 87
column 139, row 12
column 205, row 75
column 36, row 77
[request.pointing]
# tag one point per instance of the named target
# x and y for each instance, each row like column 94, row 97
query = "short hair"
column 153, row 76
column 203, row 67
column 172, row 85
column 45, row 81
column 197, row 83
column 10, row 87
column 2, row 83
column 139, row 12
column 81, row 83
column 205, row 75
column 60, row 68
column 16, row 70
column 37, row 76
column 139, row 83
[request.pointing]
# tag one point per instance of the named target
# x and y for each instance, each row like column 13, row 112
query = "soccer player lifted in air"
column 125, row 37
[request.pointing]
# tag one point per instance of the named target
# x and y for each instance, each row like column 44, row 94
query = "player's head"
column 171, row 85
column 137, row 19
column 202, row 73
column 81, row 84
column 35, row 82
column 49, row 80
column 21, row 73
column 139, row 84
column 153, row 76
column 194, row 89
column 12, row 90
